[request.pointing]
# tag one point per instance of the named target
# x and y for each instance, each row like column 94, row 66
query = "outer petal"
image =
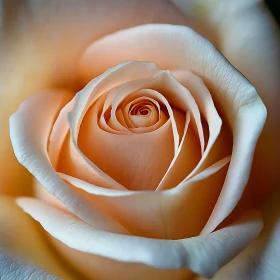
column 30, row 245
column 244, row 31
column 178, row 47
column 261, row 259
column 203, row 255
column 96, row 88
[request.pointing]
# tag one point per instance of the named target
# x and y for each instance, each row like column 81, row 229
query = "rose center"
column 142, row 109
column 144, row 112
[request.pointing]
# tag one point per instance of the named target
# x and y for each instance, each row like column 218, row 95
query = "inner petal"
column 142, row 112
column 129, row 92
column 137, row 161
column 135, row 89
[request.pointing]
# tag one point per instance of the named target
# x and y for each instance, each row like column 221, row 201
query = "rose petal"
column 248, row 125
column 184, row 161
column 152, row 111
column 135, row 161
column 30, row 244
column 261, row 259
column 116, row 128
column 207, row 108
column 97, row 151
column 120, row 119
column 208, row 111
column 58, row 134
column 115, row 76
column 94, row 90
column 100, row 268
column 64, row 157
column 182, row 99
column 133, row 88
column 159, row 218
column 30, row 127
column 178, row 47
column 194, row 200
column 193, row 253
column 246, row 33
column 155, row 118
column 81, row 166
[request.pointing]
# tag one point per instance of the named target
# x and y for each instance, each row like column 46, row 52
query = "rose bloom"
column 148, row 154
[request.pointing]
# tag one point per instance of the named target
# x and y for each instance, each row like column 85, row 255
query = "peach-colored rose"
column 144, row 172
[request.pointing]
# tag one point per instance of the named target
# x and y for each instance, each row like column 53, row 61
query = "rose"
column 116, row 90
column 112, row 145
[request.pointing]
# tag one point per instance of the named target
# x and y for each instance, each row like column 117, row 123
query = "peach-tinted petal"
column 101, row 268
column 115, row 76
column 205, row 103
column 207, row 108
column 82, row 166
column 119, row 127
column 115, row 193
column 40, row 47
column 187, row 50
column 30, row 127
column 144, row 112
column 184, row 161
column 250, row 40
column 140, row 112
column 126, row 207
column 11, row 267
column 194, row 253
column 136, row 161
column 246, row 33
column 178, row 47
column 159, row 217
column 157, row 117
column 261, row 259
column 248, row 125
column 58, row 134
column 180, row 98
column 61, row 155
column 74, row 163
column 194, row 201
column 95, row 148
column 94, row 90
column 154, row 90
column 174, row 93
column 31, row 244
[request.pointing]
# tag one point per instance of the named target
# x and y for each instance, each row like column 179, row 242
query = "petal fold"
column 203, row 255
column 180, row 48
column 30, row 128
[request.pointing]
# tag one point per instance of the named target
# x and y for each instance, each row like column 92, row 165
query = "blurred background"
column 274, row 6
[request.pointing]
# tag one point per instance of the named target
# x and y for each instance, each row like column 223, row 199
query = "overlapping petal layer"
column 140, row 144
column 30, row 146
column 203, row 255
column 235, row 96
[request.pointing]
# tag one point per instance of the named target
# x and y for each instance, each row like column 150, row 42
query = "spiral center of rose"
column 152, row 139
column 143, row 112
